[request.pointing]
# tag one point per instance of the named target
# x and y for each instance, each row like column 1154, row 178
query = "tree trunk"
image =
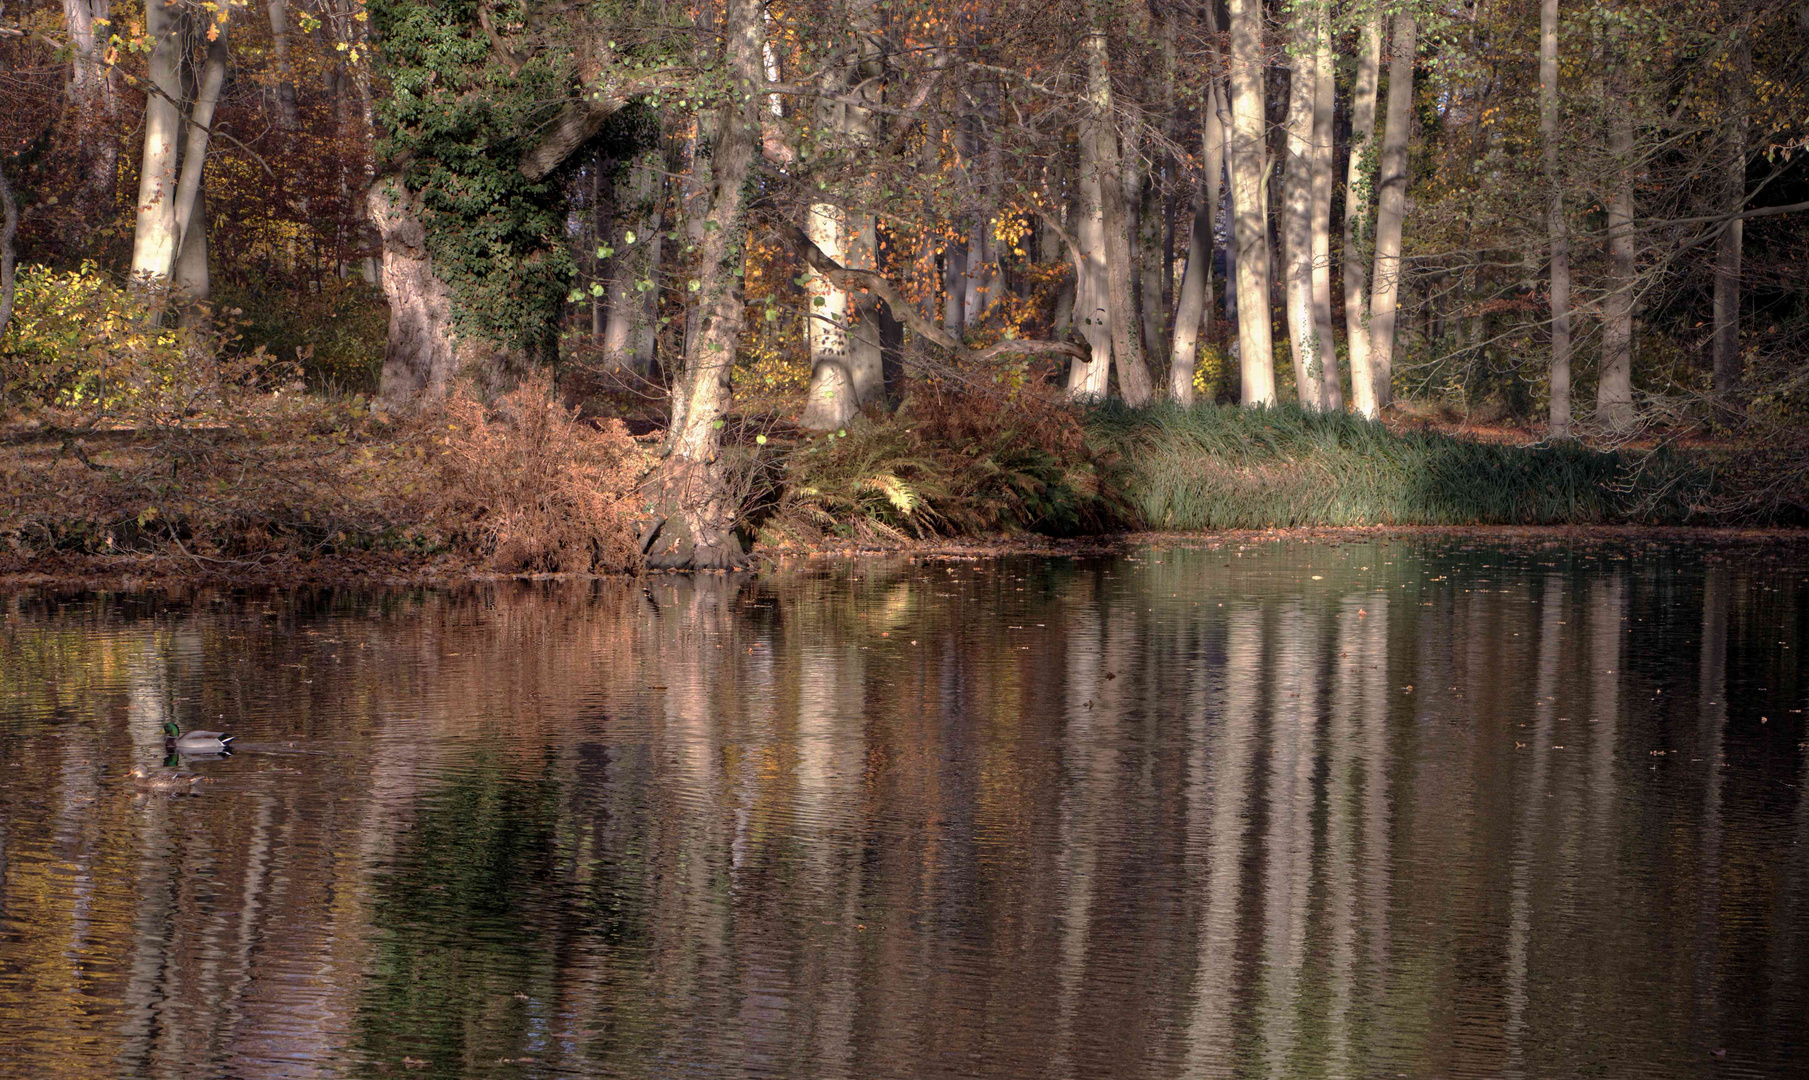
column 1127, row 353
column 1194, row 309
column 1555, row 229
column 1090, row 380
column 1614, row 384
column 628, row 334
column 154, row 236
column 1331, row 390
column 1248, row 127
column 194, row 154
column 9, row 228
column 189, row 279
column 694, row 516
column 1391, row 211
column 97, row 141
column 1359, row 189
column 1297, row 207
column 285, row 75
column 847, row 361
column 1727, row 373
column 422, row 354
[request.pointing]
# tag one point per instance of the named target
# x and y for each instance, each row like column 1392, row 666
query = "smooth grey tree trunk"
column 194, row 154
column 1297, row 206
column 1193, row 307
column 1556, row 232
column 154, row 234
column 1359, row 199
column 1090, row 380
column 1127, row 354
column 1250, row 231
column 1331, row 389
column 1614, row 383
column 1391, row 211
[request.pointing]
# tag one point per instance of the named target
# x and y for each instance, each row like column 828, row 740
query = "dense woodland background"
column 917, row 228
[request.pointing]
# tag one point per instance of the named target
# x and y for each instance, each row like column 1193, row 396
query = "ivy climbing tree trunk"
column 9, row 228
column 693, row 514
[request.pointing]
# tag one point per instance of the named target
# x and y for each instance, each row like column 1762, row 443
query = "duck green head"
column 172, row 730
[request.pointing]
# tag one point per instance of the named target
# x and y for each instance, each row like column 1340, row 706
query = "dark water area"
column 1381, row 808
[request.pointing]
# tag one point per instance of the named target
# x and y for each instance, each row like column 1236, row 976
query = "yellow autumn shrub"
column 80, row 342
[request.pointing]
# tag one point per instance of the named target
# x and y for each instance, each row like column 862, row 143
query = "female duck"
column 145, row 780
column 195, row 742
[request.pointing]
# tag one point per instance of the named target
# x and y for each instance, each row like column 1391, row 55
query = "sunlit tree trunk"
column 154, row 237
column 1250, row 232
column 189, row 278
column 847, row 369
column 285, row 74
column 1391, row 211
column 1089, row 380
column 1331, row 389
column 1554, row 221
column 1728, row 246
column 1359, row 192
column 1194, row 308
column 1297, row 206
column 1614, row 384
column 1127, row 354
column 694, row 512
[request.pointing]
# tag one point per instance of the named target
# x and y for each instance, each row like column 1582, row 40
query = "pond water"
column 1380, row 808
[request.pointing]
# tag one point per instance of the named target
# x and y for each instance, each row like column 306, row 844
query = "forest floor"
column 315, row 492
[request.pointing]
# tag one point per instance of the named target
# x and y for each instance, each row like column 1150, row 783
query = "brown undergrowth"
column 517, row 484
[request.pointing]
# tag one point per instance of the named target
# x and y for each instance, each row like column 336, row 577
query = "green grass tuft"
column 1224, row 467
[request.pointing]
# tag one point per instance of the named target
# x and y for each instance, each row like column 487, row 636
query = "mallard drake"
column 145, row 780
column 196, row 742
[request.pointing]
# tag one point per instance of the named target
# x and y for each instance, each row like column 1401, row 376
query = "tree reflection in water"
column 1336, row 810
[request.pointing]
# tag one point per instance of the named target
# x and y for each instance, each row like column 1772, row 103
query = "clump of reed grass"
column 1223, row 467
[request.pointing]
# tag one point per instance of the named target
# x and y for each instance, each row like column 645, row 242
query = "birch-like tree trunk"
column 1331, row 389
column 1250, row 231
column 1727, row 371
column 278, row 11
column 1391, row 211
column 1359, row 192
column 847, row 365
column 1614, row 383
column 1127, row 353
column 1556, row 233
column 694, row 516
column 1297, row 206
column 1194, row 308
column 154, row 235
column 1090, row 380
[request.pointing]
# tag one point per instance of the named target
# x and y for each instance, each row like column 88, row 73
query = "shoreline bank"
column 140, row 573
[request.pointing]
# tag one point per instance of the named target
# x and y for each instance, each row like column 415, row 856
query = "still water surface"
column 1373, row 809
